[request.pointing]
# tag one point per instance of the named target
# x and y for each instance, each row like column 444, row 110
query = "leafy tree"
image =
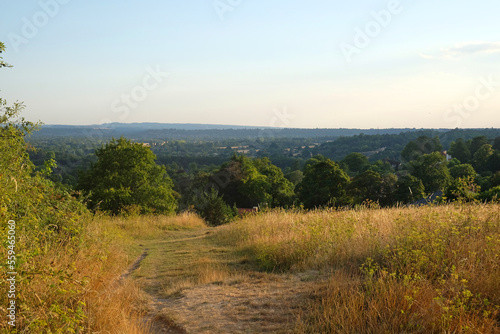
column 493, row 163
column 462, row 171
column 248, row 183
column 371, row 186
column 280, row 188
column 324, row 184
column 126, row 176
column 432, row 170
column 453, row 162
column 460, row 149
column 356, row 162
column 366, row 186
column 476, row 143
column 462, row 189
column 422, row 145
column 492, row 194
column 481, row 157
column 496, row 144
column 409, row 189
column 495, row 179
column 411, row 151
column 295, row 176
column 380, row 166
column 389, row 186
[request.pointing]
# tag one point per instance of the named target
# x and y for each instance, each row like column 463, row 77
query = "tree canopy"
column 432, row 170
column 126, row 177
column 324, row 184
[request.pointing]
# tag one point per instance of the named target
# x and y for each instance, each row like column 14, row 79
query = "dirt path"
column 197, row 286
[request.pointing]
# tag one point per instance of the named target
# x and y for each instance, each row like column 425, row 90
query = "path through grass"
column 197, row 284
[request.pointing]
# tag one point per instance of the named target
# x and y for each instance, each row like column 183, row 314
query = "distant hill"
column 187, row 131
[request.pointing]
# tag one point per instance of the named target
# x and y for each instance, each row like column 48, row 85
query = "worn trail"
column 198, row 286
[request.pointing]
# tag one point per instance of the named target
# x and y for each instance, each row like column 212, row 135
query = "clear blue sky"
column 324, row 63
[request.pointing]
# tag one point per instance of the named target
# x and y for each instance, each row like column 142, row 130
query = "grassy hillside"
column 412, row 270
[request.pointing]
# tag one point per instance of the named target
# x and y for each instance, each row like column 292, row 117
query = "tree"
column 496, row 144
column 280, row 188
column 476, row 143
column 460, row 149
column 432, row 170
column 462, row 189
column 295, row 176
column 324, row 184
column 372, row 186
column 493, row 163
column 125, row 177
column 366, row 186
column 409, row 189
column 248, row 183
column 421, row 145
column 481, row 157
column 356, row 162
column 462, row 171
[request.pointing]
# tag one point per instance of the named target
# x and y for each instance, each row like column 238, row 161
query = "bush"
column 212, row 208
column 491, row 195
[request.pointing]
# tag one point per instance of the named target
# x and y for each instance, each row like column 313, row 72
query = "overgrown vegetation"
column 418, row 270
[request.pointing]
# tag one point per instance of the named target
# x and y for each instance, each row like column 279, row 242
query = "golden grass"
column 417, row 270
column 74, row 285
column 150, row 226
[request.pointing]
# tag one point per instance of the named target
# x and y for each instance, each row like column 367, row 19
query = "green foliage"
column 356, row 162
column 432, row 170
column 459, row 149
column 462, row 171
column 492, row 194
column 422, row 145
column 481, row 157
column 249, row 183
column 279, row 187
column 46, row 218
column 366, row 186
column 463, row 189
column 2, row 63
column 126, row 176
column 409, row 189
column 295, row 177
column 476, row 143
column 324, row 184
column 212, row 208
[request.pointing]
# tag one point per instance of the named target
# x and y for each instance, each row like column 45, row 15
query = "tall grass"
column 73, row 284
column 418, row 270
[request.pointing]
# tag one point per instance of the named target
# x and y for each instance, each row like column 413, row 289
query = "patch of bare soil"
column 261, row 303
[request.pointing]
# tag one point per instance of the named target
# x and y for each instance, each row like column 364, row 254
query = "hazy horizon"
column 363, row 65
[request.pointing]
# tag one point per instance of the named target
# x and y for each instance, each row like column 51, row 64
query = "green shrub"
column 212, row 208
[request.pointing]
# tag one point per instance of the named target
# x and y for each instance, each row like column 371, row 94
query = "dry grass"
column 402, row 270
column 150, row 227
column 74, row 286
column 416, row 270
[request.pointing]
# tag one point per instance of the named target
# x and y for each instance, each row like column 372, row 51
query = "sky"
column 280, row 63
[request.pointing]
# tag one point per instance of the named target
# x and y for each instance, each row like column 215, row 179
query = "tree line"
column 126, row 179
